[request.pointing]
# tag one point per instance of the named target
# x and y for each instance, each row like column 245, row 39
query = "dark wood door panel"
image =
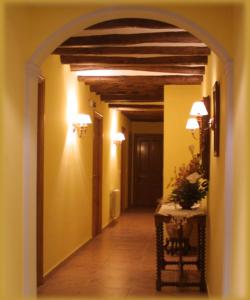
column 97, row 175
column 147, row 195
column 148, row 167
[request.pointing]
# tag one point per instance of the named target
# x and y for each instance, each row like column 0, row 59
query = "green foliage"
column 188, row 185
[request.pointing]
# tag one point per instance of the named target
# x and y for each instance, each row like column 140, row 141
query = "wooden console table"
column 166, row 213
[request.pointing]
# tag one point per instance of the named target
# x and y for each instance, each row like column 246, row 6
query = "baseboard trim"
column 65, row 260
column 75, row 252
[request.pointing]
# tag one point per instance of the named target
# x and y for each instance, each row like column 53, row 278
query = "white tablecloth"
column 179, row 215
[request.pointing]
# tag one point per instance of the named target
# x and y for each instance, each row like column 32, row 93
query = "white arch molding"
column 32, row 74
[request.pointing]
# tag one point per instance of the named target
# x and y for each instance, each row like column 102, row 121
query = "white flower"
column 192, row 178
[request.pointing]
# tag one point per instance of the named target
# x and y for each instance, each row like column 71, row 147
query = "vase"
column 172, row 246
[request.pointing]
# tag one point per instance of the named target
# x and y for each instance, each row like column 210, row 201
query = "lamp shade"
column 118, row 137
column 198, row 109
column 83, row 120
column 192, row 124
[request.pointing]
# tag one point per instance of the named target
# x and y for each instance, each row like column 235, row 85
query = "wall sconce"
column 198, row 110
column 192, row 124
column 118, row 138
column 81, row 123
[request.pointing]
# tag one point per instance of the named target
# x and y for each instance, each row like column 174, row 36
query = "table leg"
column 202, row 248
column 159, row 255
column 181, row 253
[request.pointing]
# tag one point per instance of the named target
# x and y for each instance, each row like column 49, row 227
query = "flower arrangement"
column 188, row 185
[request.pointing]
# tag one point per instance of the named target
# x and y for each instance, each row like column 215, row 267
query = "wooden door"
column 97, row 175
column 148, row 168
column 40, row 182
column 130, row 170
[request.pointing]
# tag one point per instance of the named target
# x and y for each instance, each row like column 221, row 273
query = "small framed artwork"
column 216, row 125
column 205, row 138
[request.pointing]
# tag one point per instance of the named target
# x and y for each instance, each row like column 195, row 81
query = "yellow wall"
column 219, row 204
column 68, row 163
column 126, row 144
column 12, row 169
column 241, row 147
column 216, row 204
column 28, row 25
column 177, row 104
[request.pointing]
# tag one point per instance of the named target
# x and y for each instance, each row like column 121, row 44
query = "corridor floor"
column 120, row 262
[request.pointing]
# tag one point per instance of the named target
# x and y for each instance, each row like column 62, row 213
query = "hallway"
column 119, row 262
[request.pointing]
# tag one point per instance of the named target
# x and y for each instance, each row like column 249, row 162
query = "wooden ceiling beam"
column 129, row 39
column 139, row 109
column 123, row 86
column 129, row 92
column 132, row 101
column 131, row 97
column 124, row 92
column 131, row 22
column 185, row 50
column 142, row 80
column 150, row 68
column 121, row 89
column 136, row 106
column 131, row 79
column 117, row 60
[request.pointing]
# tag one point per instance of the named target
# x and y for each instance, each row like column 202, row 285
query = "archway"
column 32, row 75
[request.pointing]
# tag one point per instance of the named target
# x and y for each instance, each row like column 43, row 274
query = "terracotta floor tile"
column 120, row 262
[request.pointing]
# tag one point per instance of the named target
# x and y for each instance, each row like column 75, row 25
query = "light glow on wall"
column 113, row 130
column 71, row 113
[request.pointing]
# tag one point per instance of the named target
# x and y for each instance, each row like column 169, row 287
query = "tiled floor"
column 120, row 262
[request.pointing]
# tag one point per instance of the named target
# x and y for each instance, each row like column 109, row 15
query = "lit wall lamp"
column 81, row 123
column 201, row 120
column 192, row 124
column 197, row 111
column 118, row 138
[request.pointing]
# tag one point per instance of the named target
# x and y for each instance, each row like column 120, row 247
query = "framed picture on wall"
column 216, row 106
column 205, row 138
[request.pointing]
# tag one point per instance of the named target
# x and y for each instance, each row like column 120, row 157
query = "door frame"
column 123, row 170
column 97, row 198
column 40, row 179
column 130, row 169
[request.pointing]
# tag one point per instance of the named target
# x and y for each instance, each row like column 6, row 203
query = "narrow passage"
column 120, row 262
